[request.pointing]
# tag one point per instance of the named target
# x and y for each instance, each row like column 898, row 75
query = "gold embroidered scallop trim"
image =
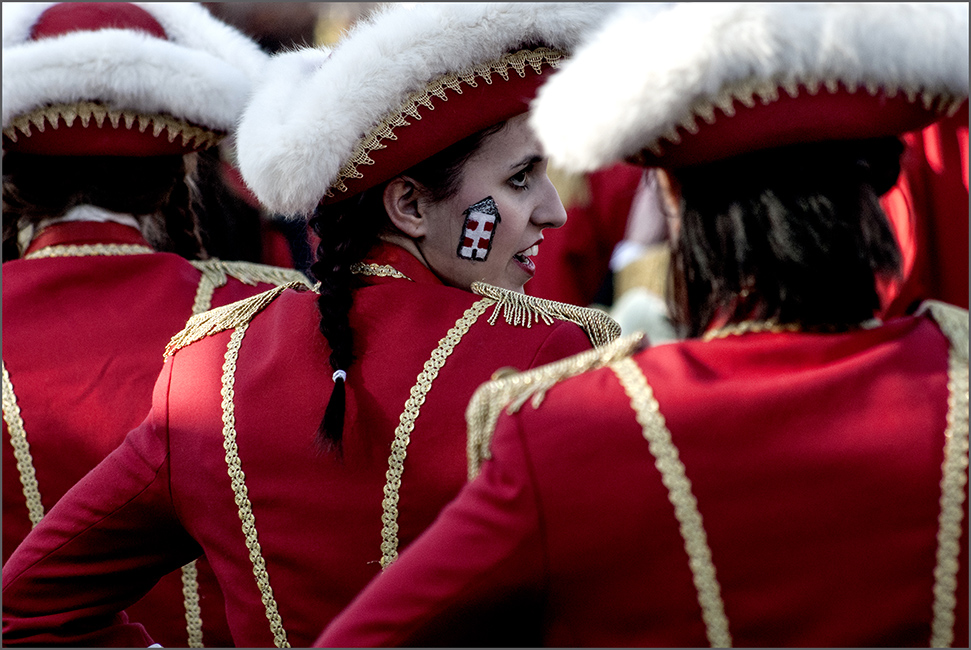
column 514, row 390
column 406, row 424
column 226, row 317
column 749, row 92
column 88, row 250
column 238, row 480
column 673, row 476
column 215, row 274
column 190, row 594
column 521, row 310
column 953, row 322
column 955, row 477
column 379, row 270
column 436, row 88
column 192, row 135
column 21, row 450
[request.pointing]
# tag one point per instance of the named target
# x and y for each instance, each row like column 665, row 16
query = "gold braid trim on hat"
column 749, row 92
column 510, row 392
column 192, row 136
column 384, row 130
column 518, row 309
column 227, row 317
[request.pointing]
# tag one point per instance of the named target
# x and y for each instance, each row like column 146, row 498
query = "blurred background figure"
column 111, row 117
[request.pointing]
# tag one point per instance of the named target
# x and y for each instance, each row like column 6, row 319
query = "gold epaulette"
column 226, row 317
column 953, row 322
column 248, row 272
column 511, row 392
column 522, row 310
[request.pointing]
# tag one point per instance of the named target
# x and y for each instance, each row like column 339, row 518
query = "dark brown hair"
column 795, row 234
column 36, row 187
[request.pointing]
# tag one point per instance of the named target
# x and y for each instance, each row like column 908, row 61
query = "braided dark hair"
column 795, row 234
column 348, row 230
column 37, row 187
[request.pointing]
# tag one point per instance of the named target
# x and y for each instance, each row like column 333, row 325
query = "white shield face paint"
column 481, row 221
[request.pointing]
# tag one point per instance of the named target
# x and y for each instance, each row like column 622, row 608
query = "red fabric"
column 83, row 340
column 318, row 518
column 815, row 461
column 574, row 260
column 928, row 209
column 67, row 17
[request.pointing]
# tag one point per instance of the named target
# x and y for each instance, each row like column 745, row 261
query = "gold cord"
column 21, row 450
column 88, row 250
column 238, row 480
column 673, row 476
column 406, row 424
column 379, row 270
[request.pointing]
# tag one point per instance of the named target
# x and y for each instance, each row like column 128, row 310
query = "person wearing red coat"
column 301, row 438
column 793, row 473
column 89, row 299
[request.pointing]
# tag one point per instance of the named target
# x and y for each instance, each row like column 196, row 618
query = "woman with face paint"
column 302, row 438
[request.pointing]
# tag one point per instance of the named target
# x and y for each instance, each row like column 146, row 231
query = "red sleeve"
column 99, row 549
column 475, row 577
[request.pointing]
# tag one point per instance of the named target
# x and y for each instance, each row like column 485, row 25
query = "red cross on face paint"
column 481, row 221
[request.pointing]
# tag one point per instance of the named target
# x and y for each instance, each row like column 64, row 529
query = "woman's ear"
column 401, row 203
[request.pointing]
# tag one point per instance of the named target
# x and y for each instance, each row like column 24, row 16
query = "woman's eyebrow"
column 531, row 159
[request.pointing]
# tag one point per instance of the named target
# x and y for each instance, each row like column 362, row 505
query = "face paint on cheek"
column 481, row 222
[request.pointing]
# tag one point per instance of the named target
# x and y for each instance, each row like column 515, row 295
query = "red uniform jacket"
column 801, row 472
column 313, row 523
column 83, row 338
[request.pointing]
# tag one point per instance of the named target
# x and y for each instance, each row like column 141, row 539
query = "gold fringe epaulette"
column 248, row 272
column 953, row 322
column 521, row 310
column 226, row 317
column 512, row 391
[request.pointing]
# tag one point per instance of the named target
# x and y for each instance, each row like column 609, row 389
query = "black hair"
column 36, row 187
column 794, row 234
column 348, row 230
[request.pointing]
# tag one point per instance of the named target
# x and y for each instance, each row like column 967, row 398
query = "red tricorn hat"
column 121, row 79
column 696, row 83
column 401, row 86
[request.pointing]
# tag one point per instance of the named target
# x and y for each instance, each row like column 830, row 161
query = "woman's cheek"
column 480, row 228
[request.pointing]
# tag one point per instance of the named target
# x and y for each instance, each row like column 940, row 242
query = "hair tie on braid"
column 339, row 374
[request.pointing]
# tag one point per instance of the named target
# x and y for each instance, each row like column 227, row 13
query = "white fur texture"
column 305, row 121
column 203, row 73
column 647, row 70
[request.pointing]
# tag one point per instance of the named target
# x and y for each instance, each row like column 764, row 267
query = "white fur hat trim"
column 648, row 72
column 203, row 74
column 309, row 116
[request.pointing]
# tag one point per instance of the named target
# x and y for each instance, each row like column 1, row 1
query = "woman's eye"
column 520, row 180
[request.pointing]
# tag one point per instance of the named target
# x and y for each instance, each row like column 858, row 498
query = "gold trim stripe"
column 192, row 135
column 89, row 250
column 384, row 130
column 955, row 477
column 21, row 450
column 190, row 594
column 673, row 476
column 406, row 424
column 238, row 480
column 379, row 270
